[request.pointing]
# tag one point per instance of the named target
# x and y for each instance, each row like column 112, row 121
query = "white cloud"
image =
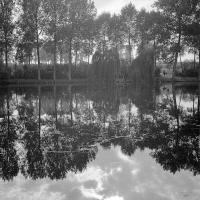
column 134, row 172
column 115, row 198
column 99, row 176
column 94, row 174
column 143, row 4
column 41, row 192
column 91, row 193
column 114, row 6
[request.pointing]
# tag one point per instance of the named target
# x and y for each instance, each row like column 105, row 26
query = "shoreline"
column 46, row 82
column 180, row 79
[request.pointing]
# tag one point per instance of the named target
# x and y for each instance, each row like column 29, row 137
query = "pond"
column 100, row 143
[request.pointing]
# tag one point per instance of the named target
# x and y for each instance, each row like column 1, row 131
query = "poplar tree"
column 128, row 23
column 55, row 16
column 33, row 25
column 6, row 28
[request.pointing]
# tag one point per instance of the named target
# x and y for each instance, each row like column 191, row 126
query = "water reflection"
column 8, row 156
column 53, row 131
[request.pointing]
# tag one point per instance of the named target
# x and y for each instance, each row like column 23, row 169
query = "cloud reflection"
column 112, row 176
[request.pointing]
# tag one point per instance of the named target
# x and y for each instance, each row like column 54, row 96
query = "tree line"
column 68, row 29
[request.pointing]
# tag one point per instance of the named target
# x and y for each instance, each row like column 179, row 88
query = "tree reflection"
column 33, row 165
column 58, row 129
column 179, row 142
column 8, row 154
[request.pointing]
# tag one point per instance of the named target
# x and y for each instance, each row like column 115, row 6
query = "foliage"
column 102, row 27
column 106, row 66
column 142, row 67
column 70, row 32
column 6, row 27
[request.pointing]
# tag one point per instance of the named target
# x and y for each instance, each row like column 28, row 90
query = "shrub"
column 157, row 72
column 188, row 73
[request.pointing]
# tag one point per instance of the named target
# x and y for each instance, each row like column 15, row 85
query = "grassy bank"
column 30, row 72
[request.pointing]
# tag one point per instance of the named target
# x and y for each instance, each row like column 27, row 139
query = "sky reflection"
column 112, row 176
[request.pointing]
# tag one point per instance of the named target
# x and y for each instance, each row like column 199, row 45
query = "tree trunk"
column 39, row 114
column 29, row 60
column 6, row 49
column 194, row 59
column 71, row 103
column 55, row 106
column 129, row 116
column 76, row 54
column 61, row 55
column 8, row 115
column 6, row 55
column 177, row 51
column 55, row 10
column 181, row 62
column 129, row 46
column 154, row 52
column 89, row 45
column 1, row 57
column 198, row 105
column 54, row 56
column 199, row 64
column 174, row 67
column 104, row 44
column 142, row 42
column 70, row 60
column 198, row 114
column 38, row 56
column 193, row 108
column 176, row 113
column 38, row 47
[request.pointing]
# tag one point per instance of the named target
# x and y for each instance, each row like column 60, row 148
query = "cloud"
column 95, row 178
column 143, row 4
column 39, row 191
column 114, row 6
column 115, row 198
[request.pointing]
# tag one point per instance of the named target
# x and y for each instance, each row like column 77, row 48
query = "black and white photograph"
column 99, row 99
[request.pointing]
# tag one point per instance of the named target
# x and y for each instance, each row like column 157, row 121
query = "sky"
column 114, row 6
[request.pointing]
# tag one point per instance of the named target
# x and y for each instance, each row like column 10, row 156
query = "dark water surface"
column 79, row 143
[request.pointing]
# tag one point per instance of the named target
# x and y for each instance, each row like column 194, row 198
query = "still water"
column 91, row 143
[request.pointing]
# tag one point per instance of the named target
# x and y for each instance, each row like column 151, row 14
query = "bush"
column 188, row 73
column 31, row 72
column 157, row 72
